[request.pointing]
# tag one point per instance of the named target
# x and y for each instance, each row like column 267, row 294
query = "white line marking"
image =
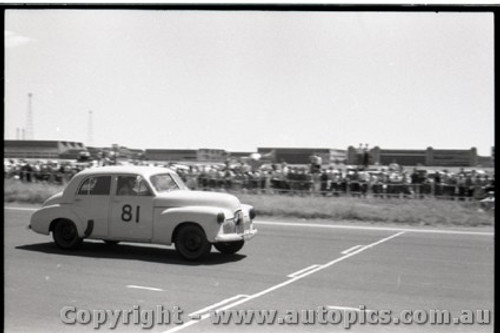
column 143, row 287
column 213, row 306
column 355, row 227
column 347, row 308
column 351, row 249
column 301, row 271
column 285, row 283
column 20, row 208
column 350, row 254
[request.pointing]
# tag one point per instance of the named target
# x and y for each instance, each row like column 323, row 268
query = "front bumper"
column 234, row 237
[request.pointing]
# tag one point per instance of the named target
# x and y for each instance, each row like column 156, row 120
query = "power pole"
column 30, row 132
column 90, row 133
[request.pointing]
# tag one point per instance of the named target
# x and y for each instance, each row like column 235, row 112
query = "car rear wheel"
column 66, row 236
column 229, row 247
column 191, row 243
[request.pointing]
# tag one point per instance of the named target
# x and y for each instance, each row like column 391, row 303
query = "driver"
column 127, row 186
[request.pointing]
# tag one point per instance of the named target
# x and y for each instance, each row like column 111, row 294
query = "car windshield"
column 167, row 182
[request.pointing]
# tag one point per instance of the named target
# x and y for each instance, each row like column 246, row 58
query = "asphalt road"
column 287, row 266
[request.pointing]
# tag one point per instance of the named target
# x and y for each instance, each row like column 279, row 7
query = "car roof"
column 144, row 171
column 126, row 169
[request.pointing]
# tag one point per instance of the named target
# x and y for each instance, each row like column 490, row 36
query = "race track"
column 288, row 265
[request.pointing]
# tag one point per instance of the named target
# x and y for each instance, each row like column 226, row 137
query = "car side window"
column 143, row 189
column 99, row 185
column 86, row 186
column 132, row 186
column 164, row 183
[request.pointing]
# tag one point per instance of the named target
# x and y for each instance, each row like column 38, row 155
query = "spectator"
column 366, row 157
column 324, row 182
column 283, row 178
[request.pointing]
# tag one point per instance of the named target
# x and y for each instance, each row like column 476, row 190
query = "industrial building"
column 303, row 155
column 409, row 157
column 171, row 154
column 211, row 155
column 42, row 149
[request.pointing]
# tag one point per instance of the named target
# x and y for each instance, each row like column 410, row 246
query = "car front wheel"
column 66, row 236
column 229, row 247
column 191, row 243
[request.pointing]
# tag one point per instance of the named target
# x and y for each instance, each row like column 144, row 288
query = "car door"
column 91, row 203
column 131, row 209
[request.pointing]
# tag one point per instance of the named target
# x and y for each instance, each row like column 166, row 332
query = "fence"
column 343, row 188
column 309, row 186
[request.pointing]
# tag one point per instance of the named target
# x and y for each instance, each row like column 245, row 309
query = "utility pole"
column 90, row 133
column 30, row 135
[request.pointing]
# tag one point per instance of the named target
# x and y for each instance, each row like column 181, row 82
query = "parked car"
column 147, row 205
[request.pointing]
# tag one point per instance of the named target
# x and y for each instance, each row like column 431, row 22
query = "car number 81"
column 127, row 213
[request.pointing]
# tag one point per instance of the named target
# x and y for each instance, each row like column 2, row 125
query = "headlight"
column 221, row 217
column 252, row 214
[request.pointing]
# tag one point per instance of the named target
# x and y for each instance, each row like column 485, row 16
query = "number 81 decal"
column 127, row 213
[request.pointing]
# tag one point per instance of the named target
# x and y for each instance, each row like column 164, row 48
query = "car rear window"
column 99, row 185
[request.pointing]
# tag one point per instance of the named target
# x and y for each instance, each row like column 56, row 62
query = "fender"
column 40, row 220
column 246, row 210
column 167, row 219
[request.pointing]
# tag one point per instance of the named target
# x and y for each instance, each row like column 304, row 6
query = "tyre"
column 111, row 242
column 191, row 243
column 229, row 247
column 66, row 236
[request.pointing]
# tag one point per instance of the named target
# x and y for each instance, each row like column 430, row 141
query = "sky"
column 239, row 80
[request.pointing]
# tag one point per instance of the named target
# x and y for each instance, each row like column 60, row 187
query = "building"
column 40, row 149
column 399, row 156
column 338, row 156
column 485, row 162
column 171, row 154
column 212, row 155
column 412, row 157
column 43, row 149
column 239, row 154
column 303, row 155
column 451, row 157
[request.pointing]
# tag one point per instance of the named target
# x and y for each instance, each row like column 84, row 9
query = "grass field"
column 400, row 211
column 430, row 212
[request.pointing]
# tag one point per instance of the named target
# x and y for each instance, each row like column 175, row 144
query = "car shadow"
column 160, row 255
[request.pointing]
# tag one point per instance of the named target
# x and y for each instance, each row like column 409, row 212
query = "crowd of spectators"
column 385, row 182
column 43, row 171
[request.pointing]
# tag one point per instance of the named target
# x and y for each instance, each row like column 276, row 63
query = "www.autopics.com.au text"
column 322, row 315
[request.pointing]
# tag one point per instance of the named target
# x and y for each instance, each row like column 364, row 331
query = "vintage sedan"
column 147, row 205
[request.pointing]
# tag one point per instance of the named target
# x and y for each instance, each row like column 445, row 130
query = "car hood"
column 182, row 198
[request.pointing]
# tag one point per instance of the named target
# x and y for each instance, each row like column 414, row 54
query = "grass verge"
column 33, row 193
column 428, row 212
